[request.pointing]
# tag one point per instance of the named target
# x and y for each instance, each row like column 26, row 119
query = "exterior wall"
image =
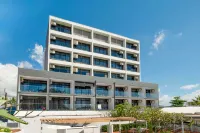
column 91, row 54
column 71, row 78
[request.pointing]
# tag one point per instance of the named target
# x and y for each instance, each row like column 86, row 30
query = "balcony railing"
column 32, row 106
column 83, row 92
column 83, row 106
column 33, row 88
column 152, row 95
column 137, row 94
column 103, row 93
column 59, row 106
column 121, row 94
column 62, row 90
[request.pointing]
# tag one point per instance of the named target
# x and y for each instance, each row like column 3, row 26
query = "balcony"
column 118, row 54
column 62, row 69
column 82, row 46
column 131, row 46
column 60, row 28
column 137, row 94
column 61, row 56
column 61, row 42
column 83, row 91
column 100, row 50
column 83, row 106
column 100, row 74
column 152, row 95
column 61, row 90
column 32, row 106
column 59, row 106
column 103, row 92
column 34, row 88
column 121, row 94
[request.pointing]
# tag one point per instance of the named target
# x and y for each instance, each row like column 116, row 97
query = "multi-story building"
column 85, row 68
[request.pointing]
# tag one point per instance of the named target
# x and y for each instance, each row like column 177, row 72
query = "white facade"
column 93, row 37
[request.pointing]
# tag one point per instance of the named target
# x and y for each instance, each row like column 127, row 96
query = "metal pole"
column 182, row 126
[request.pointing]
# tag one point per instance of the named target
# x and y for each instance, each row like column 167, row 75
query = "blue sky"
column 168, row 31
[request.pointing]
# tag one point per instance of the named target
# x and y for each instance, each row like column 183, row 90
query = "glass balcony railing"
column 32, row 106
column 83, row 92
column 33, row 88
column 61, row 106
column 137, row 94
column 121, row 94
column 62, row 90
column 152, row 95
column 83, row 106
column 103, row 93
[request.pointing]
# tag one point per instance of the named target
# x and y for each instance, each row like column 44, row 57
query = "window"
column 131, row 46
column 131, row 57
column 82, row 59
column 59, row 103
column 119, row 91
column 60, row 69
column 82, row 46
column 83, row 104
column 61, row 28
column 116, row 41
column 83, row 90
column 100, row 74
column 131, row 68
column 117, row 65
column 82, row 33
column 33, row 86
column 100, row 62
column 60, row 56
column 102, row 90
column 117, row 76
column 58, row 87
column 117, row 53
column 130, row 77
column 61, row 42
column 82, row 72
column 101, row 37
column 101, row 50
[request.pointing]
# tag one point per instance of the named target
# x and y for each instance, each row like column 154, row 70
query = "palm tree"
column 196, row 101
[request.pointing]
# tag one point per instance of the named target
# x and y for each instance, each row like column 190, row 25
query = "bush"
column 4, row 129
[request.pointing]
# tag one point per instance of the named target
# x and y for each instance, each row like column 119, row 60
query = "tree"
column 196, row 101
column 177, row 102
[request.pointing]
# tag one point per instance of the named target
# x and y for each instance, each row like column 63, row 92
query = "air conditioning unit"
column 135, row 66
column 121, row 52
column 75, row 42
column 152, row 90
column 52, row 51
column 140, row 89
column 135, row 55
column 50, row 81
column 121, row 63
column 121, row 75
column 53, row 37
column 75, row 69
column 140, row 101
column 53, row 23
column 136, row 77
column 135, row 44
column 125, row 88
column 21, row 97
column 110, row 87
column 152, row 102
column 52, row 66
column 75, row 56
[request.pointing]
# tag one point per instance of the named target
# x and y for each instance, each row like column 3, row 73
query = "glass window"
column 33, row 86
column 100, row 37
column 58, row 87
column 116, row 65
column 61, row 28
column 82, row 46
column 100, row 62
column 102, row 90
column 60, row 56
column 61, row 42
column 82, row 59
column 131, row 68
column 83, row 90
column 82, row 72
column 116, row 76
column 82, row 33
column 130, row 77
column 59, row 103
column 100, row 74
column 101, row 50
column 131, row 57
column 116, row 41
column 119, row 91
column 131, row 46
column 62, row 69
column 117, row 54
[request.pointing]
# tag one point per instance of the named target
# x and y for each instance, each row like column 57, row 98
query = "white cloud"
column 190, row 96
column 37, row 54
column 166, row 86
column 150, row 53
column 189, row 87
column 158, row 39
column 164, row 100
column 25, row 64
column 8, row 79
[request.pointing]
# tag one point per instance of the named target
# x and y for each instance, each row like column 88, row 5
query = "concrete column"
column 93, row 103
column 111, row 104
column 71, row 103
column 47, row 97
column 110, row 128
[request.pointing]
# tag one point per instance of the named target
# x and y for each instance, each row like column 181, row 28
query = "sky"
column 168, row 31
